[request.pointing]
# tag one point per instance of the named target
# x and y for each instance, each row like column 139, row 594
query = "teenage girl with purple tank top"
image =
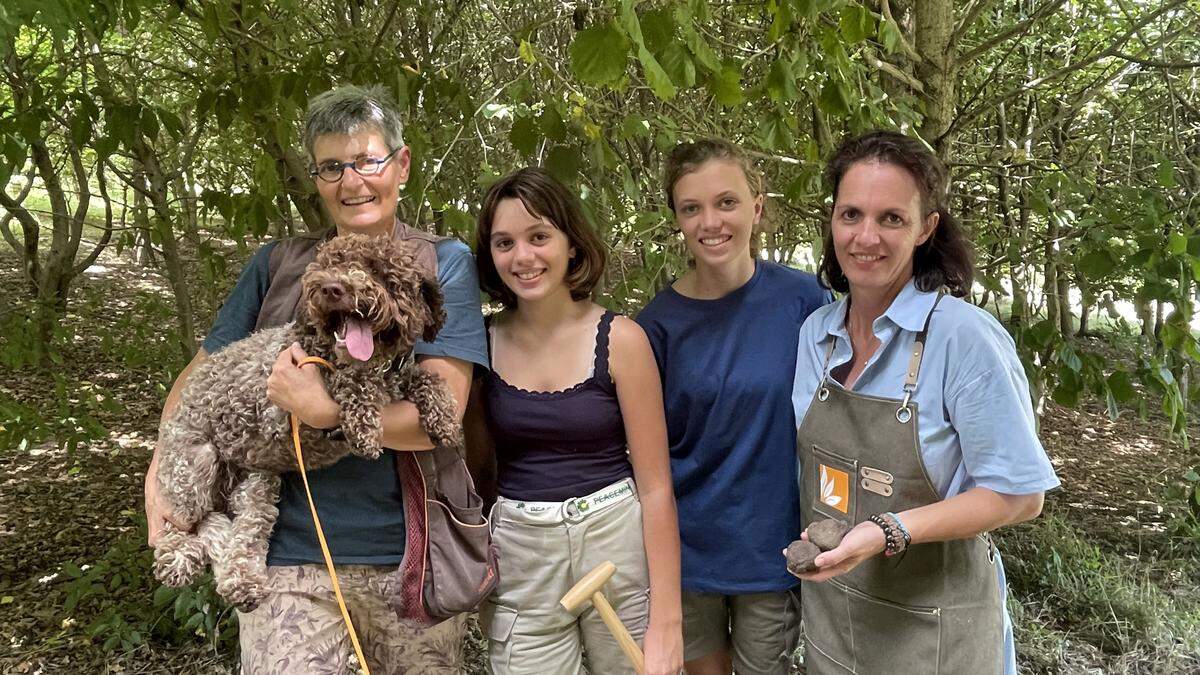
column 574, row 405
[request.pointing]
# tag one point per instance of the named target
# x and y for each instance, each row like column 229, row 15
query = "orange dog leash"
column 337, row 589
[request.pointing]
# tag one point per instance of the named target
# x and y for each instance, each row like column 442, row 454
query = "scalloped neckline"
column 537, row 394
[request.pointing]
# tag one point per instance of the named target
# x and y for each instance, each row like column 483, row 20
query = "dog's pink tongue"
column 358, row 339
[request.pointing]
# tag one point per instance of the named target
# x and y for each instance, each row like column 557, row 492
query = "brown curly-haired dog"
column 363, row 305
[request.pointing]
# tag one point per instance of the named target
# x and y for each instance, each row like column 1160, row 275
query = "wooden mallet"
column 587, row 589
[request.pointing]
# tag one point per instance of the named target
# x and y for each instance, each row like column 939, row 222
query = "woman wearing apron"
column 917, row 430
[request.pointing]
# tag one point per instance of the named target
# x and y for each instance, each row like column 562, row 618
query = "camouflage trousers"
column 298, row 628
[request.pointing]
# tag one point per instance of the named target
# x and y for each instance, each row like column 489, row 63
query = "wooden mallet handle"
column 588, row 588
column 618, row 630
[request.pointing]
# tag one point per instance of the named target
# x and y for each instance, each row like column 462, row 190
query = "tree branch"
column 1016, row 30
column 1154, row 63
column 905, row 45
column 969, row 20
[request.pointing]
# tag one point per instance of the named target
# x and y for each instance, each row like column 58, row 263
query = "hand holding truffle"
column 826, row 549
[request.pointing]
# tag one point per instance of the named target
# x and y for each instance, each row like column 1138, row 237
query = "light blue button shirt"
column 975, row 418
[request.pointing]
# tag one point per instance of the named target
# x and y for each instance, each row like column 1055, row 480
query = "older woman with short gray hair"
column 354, row 139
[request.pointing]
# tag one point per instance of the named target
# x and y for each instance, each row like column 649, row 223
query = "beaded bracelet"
column 903, row 529
column 895, row 535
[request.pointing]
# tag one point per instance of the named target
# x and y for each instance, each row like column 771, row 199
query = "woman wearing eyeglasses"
column 359, row 160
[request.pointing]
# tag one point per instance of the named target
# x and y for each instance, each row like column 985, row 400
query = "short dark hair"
column 545, row 197
column 944, row 260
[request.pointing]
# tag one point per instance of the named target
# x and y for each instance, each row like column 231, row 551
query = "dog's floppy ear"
column 435, row 316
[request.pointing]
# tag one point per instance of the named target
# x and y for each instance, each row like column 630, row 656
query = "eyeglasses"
column 331, row 171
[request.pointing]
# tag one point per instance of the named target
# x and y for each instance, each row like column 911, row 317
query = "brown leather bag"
column 450, row 563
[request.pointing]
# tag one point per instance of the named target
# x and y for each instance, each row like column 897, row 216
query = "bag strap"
column 337, row 588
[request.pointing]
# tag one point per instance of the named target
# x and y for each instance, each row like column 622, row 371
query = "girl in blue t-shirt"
column 724, row 335
column 574, row 406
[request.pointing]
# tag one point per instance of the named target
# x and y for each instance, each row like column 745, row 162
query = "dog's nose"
column 333, row 290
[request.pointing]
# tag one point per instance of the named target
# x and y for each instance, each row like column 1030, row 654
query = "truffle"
column 800, row 556
column 828, row 533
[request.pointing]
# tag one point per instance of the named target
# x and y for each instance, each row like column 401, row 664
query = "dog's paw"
column 447, row 433
column 244, row 594
column 177, row 568
column 451, row 438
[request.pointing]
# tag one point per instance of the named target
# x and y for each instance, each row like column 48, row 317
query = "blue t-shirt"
column 727, row 367
column 358, row 500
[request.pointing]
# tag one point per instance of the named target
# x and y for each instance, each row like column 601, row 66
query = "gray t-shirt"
column 358, row 500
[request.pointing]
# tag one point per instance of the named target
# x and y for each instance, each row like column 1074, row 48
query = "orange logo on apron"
column 835, row 488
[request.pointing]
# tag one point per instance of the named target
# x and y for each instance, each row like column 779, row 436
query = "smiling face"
column 716, row 210
column 878, row 221
column 357, row 203
column 531, row 254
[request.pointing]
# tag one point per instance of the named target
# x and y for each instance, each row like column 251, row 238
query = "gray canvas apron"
column 936, row 608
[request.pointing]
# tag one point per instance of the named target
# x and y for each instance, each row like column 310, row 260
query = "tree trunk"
column 1063, row 291
column 937, row 70
column 172, row 261
column 1145, row 315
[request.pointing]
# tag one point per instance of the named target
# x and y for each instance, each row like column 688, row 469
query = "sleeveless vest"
column 290, row 257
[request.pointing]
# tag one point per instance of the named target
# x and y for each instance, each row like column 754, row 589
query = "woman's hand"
column 663, row 649
column 864, row 541
column 158, row 512
column 301, row 390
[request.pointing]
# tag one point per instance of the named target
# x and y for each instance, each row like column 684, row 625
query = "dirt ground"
column 59, row 506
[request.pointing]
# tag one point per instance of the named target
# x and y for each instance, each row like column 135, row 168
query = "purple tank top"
column 551, row 446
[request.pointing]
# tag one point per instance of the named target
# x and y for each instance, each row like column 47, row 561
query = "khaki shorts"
column 761, row 630
column 545, row 548
column 298, row 628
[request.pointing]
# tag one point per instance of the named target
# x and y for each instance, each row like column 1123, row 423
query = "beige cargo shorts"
column 545, row 548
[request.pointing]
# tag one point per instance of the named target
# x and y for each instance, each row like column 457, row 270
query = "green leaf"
column 679, row 65
column 525, row 51
column 705, row 56
column 172, row 122
column 658, row 29
column 781, row 83
column 773, row 133
column 1166, row 174
column 1111, row 404
column 856, row 23
column 726, row 86
column 1121, row 386
column 889, row 36
column 1069, row 358
column 1096, row 264
column 656, row 77
column 148, row 124
column 1177, row 243
column 163, row 596
column 564, row 163
column 551, row 123
column 1066, row 395
column 599, row 54
column 524, row 135
column 833, row 100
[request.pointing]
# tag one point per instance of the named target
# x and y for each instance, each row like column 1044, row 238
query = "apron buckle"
column 904, row 413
